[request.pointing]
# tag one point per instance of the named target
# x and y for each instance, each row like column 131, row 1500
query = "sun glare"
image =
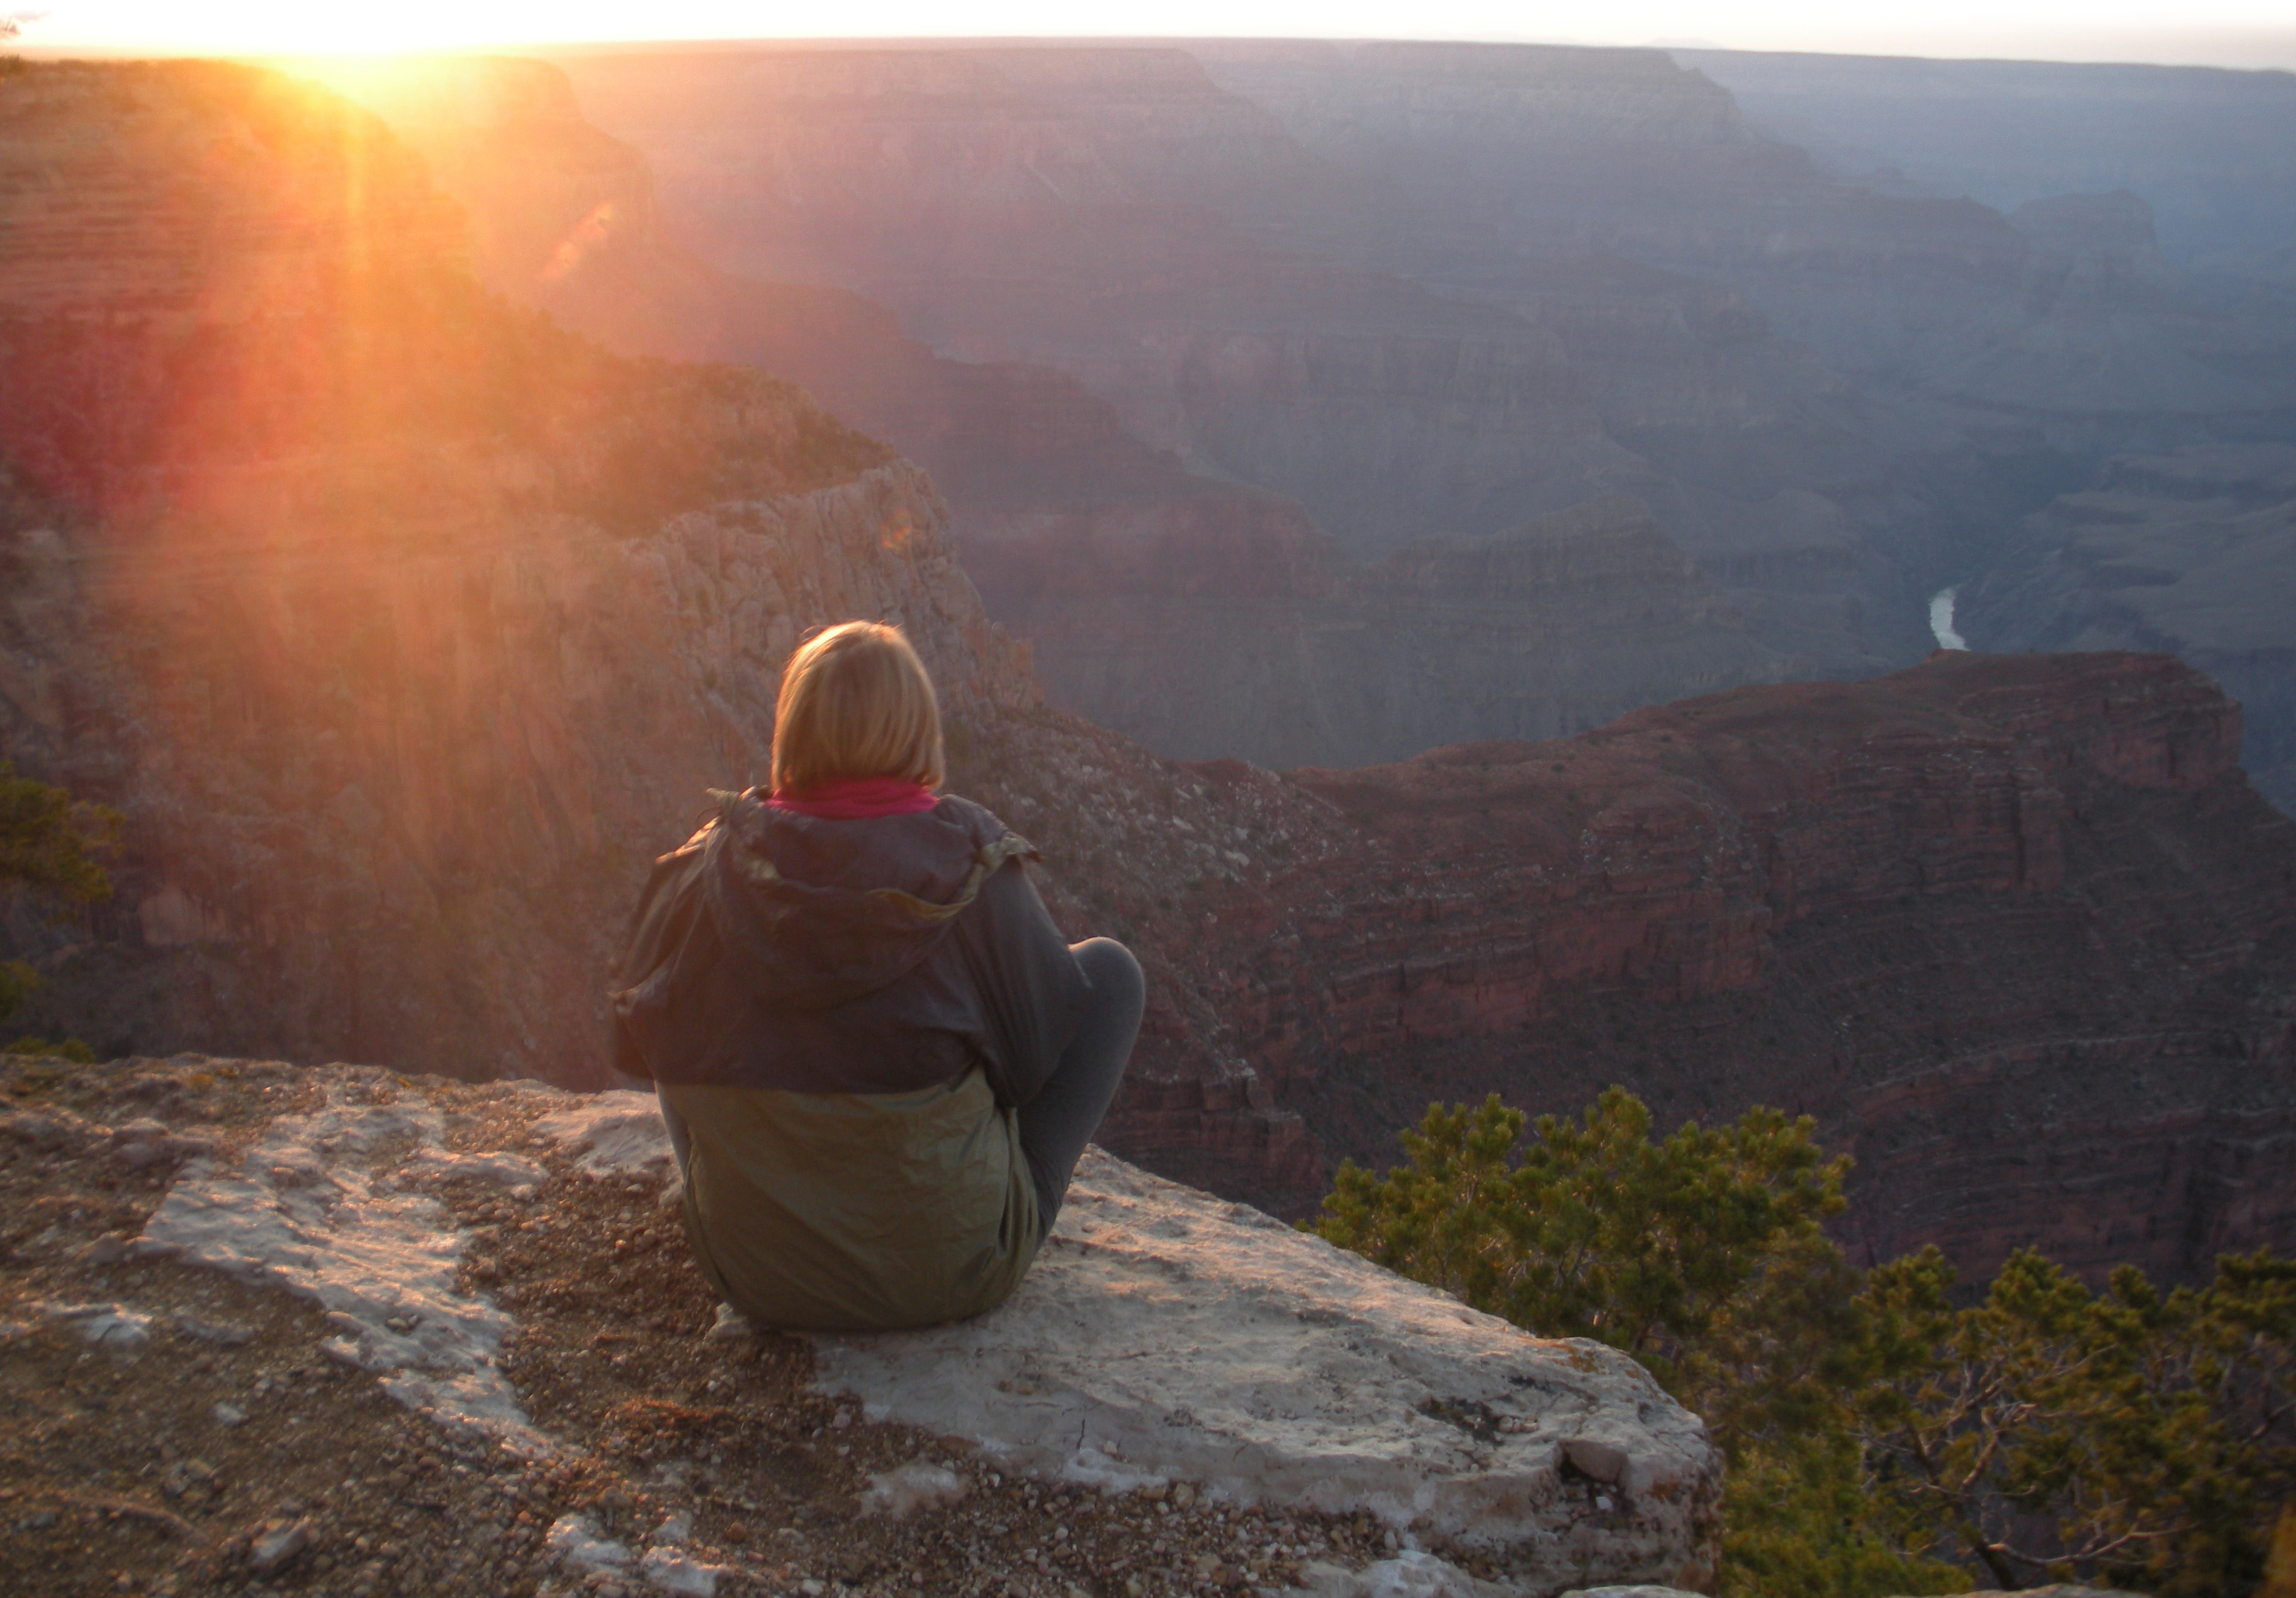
column 304, row 30
column 2232, row 32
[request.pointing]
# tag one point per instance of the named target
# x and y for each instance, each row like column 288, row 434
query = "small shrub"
column 1874, row 1431
column 70, row 1048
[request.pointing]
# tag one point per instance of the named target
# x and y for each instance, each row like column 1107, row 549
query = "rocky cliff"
column 343, row 1329
column 403, row 628
column 2014, row 928
column 2192, row 552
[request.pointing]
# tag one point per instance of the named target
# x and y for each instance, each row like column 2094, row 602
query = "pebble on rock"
column 274, row 1550
column 913, row 1487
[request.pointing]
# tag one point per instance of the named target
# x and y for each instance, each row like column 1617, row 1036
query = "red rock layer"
column 2016, row 929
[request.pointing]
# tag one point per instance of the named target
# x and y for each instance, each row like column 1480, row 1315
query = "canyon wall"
column 2014, row 928
column 404, row 628
column 2213, row 151
column 2192, row 551
column 1412, row 292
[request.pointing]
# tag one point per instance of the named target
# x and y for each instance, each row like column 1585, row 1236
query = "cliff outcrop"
column 2015, row 929
column 342, row 1327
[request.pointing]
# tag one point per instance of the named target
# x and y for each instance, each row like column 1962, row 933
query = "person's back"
column 877, row 1057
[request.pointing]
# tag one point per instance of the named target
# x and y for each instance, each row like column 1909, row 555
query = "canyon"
column 2014, row 930
column 1393, row 293
column 2190, row 552
column 404, row 628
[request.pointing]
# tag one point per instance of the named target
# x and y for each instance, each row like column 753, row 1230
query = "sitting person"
column 877, row 1059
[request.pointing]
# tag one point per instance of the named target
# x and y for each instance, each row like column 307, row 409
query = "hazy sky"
column 2244, row 33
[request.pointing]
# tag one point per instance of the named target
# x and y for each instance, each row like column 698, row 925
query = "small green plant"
column 70, row 1048
column 1703, row 1255
column 49, row 842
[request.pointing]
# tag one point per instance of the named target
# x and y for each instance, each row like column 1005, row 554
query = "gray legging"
column 1061, row 1119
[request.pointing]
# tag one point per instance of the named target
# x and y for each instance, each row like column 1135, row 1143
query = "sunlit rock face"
column 1163, row 1336
column 403, row 629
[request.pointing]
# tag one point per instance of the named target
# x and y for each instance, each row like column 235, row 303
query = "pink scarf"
column 857, row 799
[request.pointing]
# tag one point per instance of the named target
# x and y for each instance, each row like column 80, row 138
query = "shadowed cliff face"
column 1239, row 638
column 2214, row 152
column 2194, row 551
column 2014, row 928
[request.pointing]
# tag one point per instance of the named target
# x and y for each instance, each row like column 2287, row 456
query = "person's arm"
column 1031, row 993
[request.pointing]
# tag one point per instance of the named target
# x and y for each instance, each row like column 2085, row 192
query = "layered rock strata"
column 1435, row 291
column 2015, row 929
column 2192, row 551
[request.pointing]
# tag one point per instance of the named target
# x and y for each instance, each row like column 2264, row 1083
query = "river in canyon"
column 1941, row 619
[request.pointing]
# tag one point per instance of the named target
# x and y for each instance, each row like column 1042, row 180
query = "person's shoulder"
column 982, row 825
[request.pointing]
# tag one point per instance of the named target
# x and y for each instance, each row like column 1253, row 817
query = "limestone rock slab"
column 1166, row 1335
column 306, row 1208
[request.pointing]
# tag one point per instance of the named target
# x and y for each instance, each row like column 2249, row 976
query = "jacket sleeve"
column 1032, row 994
column 660, row 962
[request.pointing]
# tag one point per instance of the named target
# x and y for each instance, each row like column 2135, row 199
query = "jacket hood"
column 820, row 912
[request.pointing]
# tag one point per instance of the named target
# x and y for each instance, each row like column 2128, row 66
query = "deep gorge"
column 403, row 649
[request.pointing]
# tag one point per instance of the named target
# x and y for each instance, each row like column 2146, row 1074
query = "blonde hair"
column 855, row 702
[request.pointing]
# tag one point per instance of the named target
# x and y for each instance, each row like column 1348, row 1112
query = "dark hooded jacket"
column 848, row 1015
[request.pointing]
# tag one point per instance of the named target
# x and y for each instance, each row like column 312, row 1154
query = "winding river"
column 1941, row 619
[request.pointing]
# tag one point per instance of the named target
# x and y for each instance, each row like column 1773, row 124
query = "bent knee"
column 1110, row 969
